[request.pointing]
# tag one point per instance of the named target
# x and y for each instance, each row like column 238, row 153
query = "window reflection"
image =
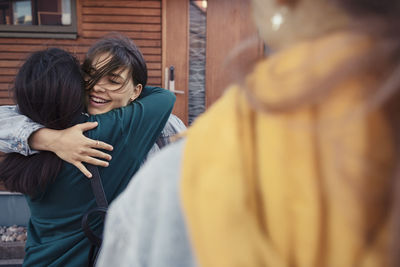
column 22, row 13
column 35, row 12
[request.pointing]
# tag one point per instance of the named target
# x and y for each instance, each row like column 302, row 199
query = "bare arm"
column 72, row 146
column 20, row 134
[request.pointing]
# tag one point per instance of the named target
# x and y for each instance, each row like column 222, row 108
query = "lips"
column 98, row 100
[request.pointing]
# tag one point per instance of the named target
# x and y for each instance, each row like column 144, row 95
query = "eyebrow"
column 115, row 75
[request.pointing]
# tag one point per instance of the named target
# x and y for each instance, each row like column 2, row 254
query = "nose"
column 98, row 88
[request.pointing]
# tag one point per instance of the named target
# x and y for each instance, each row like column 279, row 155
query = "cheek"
column 126, row 101
column 120, row 100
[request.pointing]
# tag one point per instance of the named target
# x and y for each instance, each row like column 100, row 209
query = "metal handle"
column 170, row 73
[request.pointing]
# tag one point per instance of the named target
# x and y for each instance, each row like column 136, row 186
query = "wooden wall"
column 139, row 20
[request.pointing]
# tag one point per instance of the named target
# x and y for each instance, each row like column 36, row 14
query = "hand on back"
column 72, row 146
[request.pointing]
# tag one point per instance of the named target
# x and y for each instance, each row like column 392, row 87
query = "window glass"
column 66, row 12
column 22, row 13
column 35, row 12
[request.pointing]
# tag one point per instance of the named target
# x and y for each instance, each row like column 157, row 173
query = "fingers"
column 94, row 143
column 100, row 145
column 83, row 169
column 92, row 161
column 95, row 161
column 98, row 154
column 87, row 126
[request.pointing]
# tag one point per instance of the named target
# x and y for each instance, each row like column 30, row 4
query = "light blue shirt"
column 16, row 128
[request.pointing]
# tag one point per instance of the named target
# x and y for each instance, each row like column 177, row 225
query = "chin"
column 96, row 111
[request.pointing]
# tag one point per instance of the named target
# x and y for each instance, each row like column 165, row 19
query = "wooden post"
column 175, row 50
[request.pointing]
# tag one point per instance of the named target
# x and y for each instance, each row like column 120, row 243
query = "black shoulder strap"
column 97, row 187
column 102, row 205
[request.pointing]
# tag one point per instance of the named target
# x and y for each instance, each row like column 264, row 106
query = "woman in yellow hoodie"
column 294, row 166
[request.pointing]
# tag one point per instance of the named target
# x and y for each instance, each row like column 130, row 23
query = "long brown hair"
column 49, row 90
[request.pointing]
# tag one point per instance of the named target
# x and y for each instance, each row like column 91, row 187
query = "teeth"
column 98, row 100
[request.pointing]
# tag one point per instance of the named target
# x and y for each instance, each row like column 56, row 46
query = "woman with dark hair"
column 49, row 90
column 115, row 74
column 303, row 165
column 102, row 68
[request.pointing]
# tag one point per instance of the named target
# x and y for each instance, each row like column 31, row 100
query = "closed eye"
column 115, row 78
column 113, row 81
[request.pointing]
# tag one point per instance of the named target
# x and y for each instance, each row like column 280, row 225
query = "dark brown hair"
column 49, row 90
column 124, row 54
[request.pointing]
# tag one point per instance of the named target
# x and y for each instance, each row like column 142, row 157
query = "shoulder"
column 156, row 93
column 159, row 175
column 111, row 121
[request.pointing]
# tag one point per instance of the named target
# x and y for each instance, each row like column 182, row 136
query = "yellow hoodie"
column 306, row 187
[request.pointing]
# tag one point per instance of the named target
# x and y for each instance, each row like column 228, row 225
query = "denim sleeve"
column 15, row 130
column 173, row 126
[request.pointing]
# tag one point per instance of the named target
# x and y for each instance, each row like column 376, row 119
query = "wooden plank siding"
column 139, row 20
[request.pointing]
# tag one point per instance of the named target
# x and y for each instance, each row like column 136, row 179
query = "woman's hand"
column 72, row 146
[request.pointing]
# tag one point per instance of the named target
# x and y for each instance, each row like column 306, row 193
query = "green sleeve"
column 133, row 129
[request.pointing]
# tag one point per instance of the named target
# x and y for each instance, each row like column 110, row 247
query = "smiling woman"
column 114, row 89
column 58, row 194
column 115, row 74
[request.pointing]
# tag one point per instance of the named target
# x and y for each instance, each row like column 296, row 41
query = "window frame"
column 43, row 31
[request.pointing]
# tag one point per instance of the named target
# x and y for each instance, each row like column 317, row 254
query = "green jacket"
column 55, row 236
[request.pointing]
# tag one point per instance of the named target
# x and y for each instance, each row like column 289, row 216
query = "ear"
column 136, row 92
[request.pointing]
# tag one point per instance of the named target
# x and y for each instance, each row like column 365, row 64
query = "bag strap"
column 95, row 181
column 102, row 205
column 93, row 238
column 97, row 187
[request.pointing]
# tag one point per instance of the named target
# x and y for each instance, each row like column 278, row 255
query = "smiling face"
column 113, row 90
